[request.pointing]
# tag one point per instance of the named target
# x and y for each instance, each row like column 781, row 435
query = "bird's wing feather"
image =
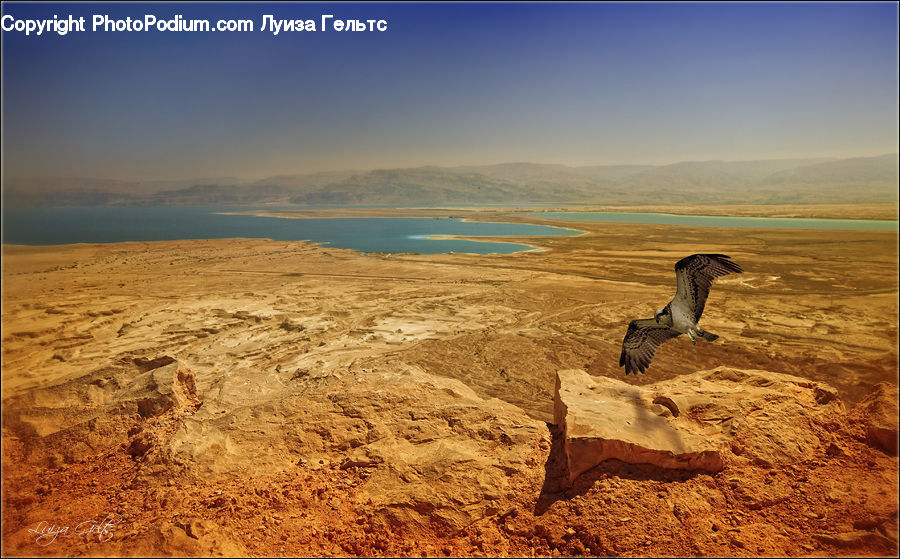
column 641, row 341
column 695, row 274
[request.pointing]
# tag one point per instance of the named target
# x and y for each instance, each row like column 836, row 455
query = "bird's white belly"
column 682, row 321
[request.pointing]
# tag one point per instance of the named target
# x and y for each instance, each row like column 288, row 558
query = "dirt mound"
column 440, row 453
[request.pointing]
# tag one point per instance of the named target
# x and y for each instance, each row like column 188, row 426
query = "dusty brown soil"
column 816, row 304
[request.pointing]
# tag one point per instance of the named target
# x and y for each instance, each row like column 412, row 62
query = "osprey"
column 694, row 276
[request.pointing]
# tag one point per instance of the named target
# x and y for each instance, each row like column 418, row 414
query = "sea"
column 53, row 226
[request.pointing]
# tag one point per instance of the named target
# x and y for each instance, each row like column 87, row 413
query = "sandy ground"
column 816, row 304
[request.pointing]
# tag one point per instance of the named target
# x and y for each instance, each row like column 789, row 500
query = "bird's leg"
column 692, row 336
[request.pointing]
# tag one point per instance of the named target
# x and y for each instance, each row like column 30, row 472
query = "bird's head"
column 659, row 313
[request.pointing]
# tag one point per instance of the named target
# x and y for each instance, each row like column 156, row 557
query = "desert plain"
column 254, row 397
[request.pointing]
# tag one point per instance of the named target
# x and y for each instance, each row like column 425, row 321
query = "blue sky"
column 448, row 84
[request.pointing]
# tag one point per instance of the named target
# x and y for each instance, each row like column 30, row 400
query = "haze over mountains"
column 797, row 181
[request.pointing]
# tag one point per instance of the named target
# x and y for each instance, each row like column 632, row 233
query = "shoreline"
column 868, row 212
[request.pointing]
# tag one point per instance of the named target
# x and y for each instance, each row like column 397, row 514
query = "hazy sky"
column 577, row 84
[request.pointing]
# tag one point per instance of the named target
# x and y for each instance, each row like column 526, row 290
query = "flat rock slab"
column 693, row 422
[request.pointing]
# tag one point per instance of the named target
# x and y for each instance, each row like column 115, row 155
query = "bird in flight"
column 694, row 276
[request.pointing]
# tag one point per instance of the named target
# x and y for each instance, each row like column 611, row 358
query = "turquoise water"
column 52, row 226
column 722, row 221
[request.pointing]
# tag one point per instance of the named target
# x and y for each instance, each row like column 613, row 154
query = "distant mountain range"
column 796, row 181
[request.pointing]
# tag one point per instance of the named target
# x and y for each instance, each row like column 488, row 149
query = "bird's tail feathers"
column 708, row 336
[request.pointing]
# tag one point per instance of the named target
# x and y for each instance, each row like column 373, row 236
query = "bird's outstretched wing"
column 641, row 341
column 695, row 274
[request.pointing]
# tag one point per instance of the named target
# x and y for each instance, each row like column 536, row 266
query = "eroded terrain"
column 324, row 402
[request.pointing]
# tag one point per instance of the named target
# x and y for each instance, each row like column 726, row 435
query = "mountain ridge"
column 804, row 181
